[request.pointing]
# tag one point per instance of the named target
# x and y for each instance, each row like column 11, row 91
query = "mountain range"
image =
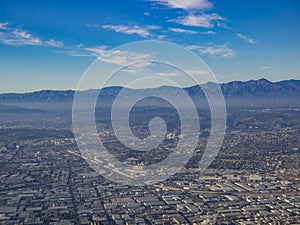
column 260, row 92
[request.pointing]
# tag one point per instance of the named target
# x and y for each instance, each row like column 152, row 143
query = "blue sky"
column 49, row 44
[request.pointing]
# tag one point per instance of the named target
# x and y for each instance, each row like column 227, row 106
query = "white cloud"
column 122, row 57
column 143, row 31
column 202, row 20
column 76, row 53
column 179, row 30
column 186, row 4
column 208, row 32
column 160, row 37
column 245, row 38
column 95, row 51
column 222, row 51
column 3, row 25
column 19, row 37
column 54, row 43
column 22, row 34
column 195, row 14
column 117, row 57
column 16, row 36
column 193, row 47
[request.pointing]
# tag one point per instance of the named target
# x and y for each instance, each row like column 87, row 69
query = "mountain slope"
column 252, row 92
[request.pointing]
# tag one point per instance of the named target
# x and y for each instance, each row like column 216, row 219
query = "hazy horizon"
column 143, row 87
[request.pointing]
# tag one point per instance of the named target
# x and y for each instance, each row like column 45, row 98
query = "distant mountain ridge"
column 253, row 91
column 261, row 88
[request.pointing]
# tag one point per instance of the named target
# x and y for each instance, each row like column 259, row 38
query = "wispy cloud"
column 186, row 31
column 222, row 51
column 245, row 38
column 151, row 69
column 143, row 31
column 160, row 37
column 3, row 25
column 202, row 20
column 117, row 57
column 53, row 43
column 75, row 53
column 179, row 30
column 186, row 4
column 208, row 32
column 17, row 36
